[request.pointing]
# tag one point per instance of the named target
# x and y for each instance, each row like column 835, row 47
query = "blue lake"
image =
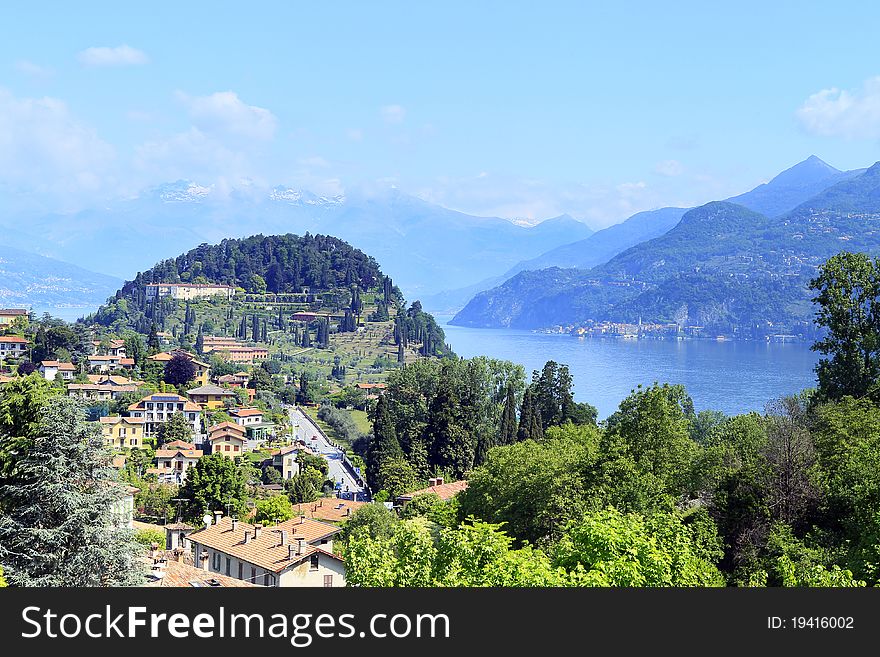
column 733, row 377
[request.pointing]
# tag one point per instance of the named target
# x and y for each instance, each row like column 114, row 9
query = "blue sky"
column 497, row 108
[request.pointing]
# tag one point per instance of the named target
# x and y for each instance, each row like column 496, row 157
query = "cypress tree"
column 401, row 356
column 255, row 328
column 153, row 345
column 200, row 341
column 384, row 445
column 507, row 430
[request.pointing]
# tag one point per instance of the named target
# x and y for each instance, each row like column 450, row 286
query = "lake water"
column 733, row 377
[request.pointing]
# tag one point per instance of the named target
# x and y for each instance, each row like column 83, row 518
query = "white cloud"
column 191, row 155
column 355, row 134
column 392, row 113
column 224, row 113
column 45, row 149
column 33, row 70
column 119, row 56
column 840, row 113
column 669, row 168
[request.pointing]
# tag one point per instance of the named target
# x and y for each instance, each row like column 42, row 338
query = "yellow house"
column 121, row 432
column 210, row 396
column 227, row 438
column 203, row 370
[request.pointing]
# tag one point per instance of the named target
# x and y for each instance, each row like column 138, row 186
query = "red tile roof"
column 443, row 491
column 13, row 339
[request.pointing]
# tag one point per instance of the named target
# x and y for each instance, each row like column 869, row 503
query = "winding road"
column 304, row 429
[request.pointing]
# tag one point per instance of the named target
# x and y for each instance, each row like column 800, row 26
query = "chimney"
column 300, row 544
column 154, row 550
column 347, row 511
column 432, row 482
column 204, row 560
column 283, row 533
column 247, row 537
column 234, row 524
column 291, row 551
column 302, row 520
column 257, row 529
column 217, row 516
column 439, row 481
column 180, row 555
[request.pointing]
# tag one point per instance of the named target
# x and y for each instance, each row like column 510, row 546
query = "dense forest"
column 276, row 264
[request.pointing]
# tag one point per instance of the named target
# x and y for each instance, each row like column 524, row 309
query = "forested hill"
column 723, row 267
column 286, row 263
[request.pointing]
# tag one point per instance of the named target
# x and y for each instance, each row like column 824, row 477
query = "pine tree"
column 58, row 526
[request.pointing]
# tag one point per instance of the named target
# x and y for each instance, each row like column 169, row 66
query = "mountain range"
column 29, row 280
column 423, row 246
column 724, row 266
column 781, row 194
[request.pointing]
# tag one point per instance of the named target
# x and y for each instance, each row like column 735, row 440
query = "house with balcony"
column 157, row 409
column 51, row 368
column 122, row 432
column 173, row 464
column 12, row 346
column 108, row 363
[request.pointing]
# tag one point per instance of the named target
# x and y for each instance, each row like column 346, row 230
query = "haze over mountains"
column 27, row 280
column 423, row 246
column 723, row 266
column 781, row 194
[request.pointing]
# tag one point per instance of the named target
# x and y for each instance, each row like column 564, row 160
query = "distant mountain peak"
column 807, row 172
column 293, row 196
column 180, row 191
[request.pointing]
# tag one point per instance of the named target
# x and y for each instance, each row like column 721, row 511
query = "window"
column 228, row 565
column 328, row 581
column 215, row 559
column 268, row 580
column 313, row 562
column 240, row 570
column 253, row 575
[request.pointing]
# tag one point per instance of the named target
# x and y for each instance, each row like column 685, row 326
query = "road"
column 304, row 429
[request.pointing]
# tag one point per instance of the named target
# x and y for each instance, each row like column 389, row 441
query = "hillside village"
column 248, row 392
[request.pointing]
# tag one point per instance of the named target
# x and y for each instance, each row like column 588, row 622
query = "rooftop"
column 328, row 508
column 265, row 551
column 210, row 389
column 443, row 491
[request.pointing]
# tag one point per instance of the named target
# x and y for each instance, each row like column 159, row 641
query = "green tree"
column 397, row 477
column 148, row 537
column 21, row 404
column 609, row 548
column 58, row 526
column 383, row 445
column 848, row 299
column 214, row 484
column 450, row 447
column 304, row 486
column 257, row 284
column 377, row 521
column 507, row 430
column 174, row 428
column 274, row 510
